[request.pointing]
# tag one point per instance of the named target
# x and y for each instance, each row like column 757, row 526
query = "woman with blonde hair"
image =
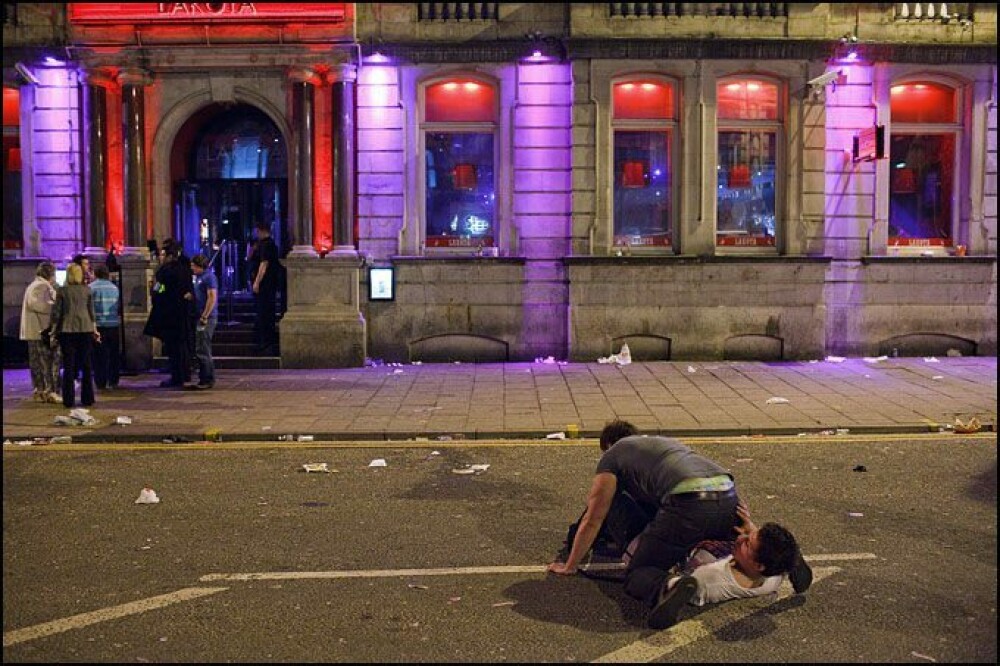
column 43, row 355
column 75, row 325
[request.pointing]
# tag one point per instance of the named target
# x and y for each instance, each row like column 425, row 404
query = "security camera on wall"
column 824, row 79
column 26, row 74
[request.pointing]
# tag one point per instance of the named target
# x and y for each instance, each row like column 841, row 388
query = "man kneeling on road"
column 672, row 498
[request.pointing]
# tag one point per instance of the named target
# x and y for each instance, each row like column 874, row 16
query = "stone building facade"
column 698, row 180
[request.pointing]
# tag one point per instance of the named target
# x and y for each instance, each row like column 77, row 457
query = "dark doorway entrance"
column 229, row 168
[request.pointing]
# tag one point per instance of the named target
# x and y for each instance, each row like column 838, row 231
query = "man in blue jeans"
column 107, row 353
column 659, row 488
column 206, row 294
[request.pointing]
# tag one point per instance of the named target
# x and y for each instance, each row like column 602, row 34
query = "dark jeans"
column 203, row 351
column 668, row 538
column 178, row 360
column 107, row 357
column 76, row 353
column 265, row 326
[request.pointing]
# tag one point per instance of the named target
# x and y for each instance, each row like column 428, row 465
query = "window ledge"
column 650, row 260
column 456, row 258
column 941, row 259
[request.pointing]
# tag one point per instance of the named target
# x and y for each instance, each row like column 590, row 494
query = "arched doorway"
column 229, row 171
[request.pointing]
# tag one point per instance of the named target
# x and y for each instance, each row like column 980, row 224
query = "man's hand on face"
column 562, row 569
column 743, row 513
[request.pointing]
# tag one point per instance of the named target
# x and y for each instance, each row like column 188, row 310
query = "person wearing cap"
column 672, row 498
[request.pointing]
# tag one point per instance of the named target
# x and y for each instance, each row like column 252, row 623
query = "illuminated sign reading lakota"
column 140, row 12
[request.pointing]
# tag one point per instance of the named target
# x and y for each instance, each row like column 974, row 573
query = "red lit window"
column 747, row 99
column 923, row 103
column 460, row 100
column 11, row 107
column 643, row 100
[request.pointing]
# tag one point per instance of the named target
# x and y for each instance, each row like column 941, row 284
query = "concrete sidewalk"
column 529, row 400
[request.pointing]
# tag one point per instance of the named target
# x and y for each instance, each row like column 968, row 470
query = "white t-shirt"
column 716, row 582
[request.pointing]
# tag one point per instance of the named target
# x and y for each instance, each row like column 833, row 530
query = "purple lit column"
column 343, row 161
column 134, row 110
column 303, row 95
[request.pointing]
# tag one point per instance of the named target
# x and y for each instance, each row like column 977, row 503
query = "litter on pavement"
column 777, row 401
column 556, row 435
column 78, row 416
column 378, row 462
column 876, row 359
column 967, row 427
column 123, row 420
column 147, row 496
column 930, row 359
column 835, row 359
column 471, row 469
column 855, row 514
column 317, row 467
column 623, row 357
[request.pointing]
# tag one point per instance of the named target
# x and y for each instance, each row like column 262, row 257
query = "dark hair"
column 170, row 248
column 200, row 260
column 263, row 226
column 102, row 272
column 616, row 430
column 776, row 549
column 78, row 259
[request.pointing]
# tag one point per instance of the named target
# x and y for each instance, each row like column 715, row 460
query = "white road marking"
column 395, row 573
column 687, row 632
column 657, row 645
column 83, row 619
column 458, row 571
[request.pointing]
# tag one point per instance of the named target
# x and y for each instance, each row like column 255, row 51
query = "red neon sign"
column 205, row 12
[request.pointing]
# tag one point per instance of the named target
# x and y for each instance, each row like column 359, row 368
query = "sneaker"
column 204, row 386
column 672, row 600
column 801, row 575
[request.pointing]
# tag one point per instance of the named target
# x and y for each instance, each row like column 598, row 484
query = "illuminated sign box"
column 869, row 144
column 142, row 12
column 381, row 283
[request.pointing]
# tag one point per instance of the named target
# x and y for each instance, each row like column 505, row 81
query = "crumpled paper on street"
column 147, row 496
column 623, row 357
column 78, row 416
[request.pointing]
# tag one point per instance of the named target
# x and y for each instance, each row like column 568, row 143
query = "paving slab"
column 528, row 400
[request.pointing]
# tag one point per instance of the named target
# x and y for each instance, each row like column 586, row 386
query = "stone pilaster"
column 134, row 115
column 303, row 116
column 323, row 327
column 344, row 79
column 137, row 273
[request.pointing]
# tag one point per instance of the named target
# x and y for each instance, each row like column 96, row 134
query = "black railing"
column 457, row 11
column 735, row 9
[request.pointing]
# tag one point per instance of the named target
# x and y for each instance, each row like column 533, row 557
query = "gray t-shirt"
column 647, row 467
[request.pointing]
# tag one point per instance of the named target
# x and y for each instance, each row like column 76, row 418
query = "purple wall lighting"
column 56, row 156
column 542, row 158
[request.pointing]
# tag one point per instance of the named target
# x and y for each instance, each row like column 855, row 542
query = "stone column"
column 303, row 93
column 136, row 267
column 343, row 160
column 134, row 112
column 323, row 326
column 97, row 154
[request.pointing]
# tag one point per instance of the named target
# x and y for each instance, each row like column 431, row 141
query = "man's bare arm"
column 602, row 491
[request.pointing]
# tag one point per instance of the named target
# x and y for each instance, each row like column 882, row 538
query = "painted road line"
column 685, row 633
column 458, row 571
column 84, row 619
column 396, row 573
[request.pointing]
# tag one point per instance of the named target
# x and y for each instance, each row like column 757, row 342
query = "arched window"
column 13, row 224
column 925, row 131
column 644, row 123
column 459, row 129
column 749, row 136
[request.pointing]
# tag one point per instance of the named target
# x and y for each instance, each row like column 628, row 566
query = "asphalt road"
column 905, row 555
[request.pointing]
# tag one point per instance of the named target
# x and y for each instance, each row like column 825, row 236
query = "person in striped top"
column 107, row 353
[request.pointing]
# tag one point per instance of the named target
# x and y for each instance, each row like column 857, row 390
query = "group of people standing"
column 184, row 315
column 74, row 327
